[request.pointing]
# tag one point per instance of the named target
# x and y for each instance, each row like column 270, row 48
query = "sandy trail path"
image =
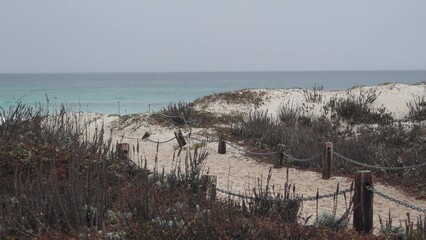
column 239, row 172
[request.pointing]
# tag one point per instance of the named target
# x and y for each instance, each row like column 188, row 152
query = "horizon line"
column 236, row 71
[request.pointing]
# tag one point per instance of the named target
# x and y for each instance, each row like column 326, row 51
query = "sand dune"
column 238, row 172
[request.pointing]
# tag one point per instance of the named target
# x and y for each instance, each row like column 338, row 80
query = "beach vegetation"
column 356, row 86
column 403, row 230
column 315, row 95
column 178, row 113
column 185, row 114
column 417, row 108
column 356, row 109
column 378, row 145
column 245, row 96
column 289, row 112
column 134, row 121
column 386, row 83
column 60, row 183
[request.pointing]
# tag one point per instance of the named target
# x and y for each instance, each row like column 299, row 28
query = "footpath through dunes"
column 238, row 172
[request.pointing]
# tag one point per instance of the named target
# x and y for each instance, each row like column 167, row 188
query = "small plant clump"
column 245, row 96
column 417, row 108
column 289, row 112
column 184, row 114
column 180, row 113
column 315, row 95
column 357, row 110
column 409, row 230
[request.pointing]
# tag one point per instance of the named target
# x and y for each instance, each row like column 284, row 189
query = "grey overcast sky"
column 217, row 35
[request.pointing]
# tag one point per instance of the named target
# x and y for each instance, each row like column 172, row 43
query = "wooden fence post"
column 122, row 150
column 280, row 154
column 327, row 161
column 180, row 139
column 208, row 186
column 363, row 202
column 222, row 146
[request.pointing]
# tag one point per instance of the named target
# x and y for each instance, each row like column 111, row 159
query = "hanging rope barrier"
column 379, row 167
column 302, row 160
column 392, row 199
column 160, row 142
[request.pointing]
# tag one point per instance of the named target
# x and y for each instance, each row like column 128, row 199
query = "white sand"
column 392, row 96
column 239, row 172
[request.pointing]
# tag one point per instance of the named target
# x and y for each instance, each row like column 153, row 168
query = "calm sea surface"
column 137, row 92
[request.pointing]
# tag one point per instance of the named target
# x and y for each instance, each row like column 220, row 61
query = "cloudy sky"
column 219, row 35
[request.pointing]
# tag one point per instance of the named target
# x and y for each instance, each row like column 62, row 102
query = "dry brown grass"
column 59, row 183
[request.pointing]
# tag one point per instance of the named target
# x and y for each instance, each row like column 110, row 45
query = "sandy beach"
column 238, row 172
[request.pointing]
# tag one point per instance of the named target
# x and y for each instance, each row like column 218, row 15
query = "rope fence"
column 284, row 155
column 379, row 167
column 160, row 142
column 399, row 202
column 363, row 190
column 302, row 159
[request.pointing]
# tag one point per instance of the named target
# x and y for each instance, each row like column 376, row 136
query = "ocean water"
column 127, row 93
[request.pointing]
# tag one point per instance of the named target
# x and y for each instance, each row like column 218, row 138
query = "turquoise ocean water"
column 137, row 92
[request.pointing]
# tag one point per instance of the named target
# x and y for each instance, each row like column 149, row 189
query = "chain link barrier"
column 249, row 152
column 379, row 167
column 303, row 159
column 407, row 205
column 303, row 199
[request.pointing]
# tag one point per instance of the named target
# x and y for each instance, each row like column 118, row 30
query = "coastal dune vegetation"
column 62, row 178
column 58, row 183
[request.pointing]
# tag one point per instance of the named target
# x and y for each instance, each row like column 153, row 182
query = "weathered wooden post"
column 327, row 160
column 180, row 139
column 363, row 202
column 280, row 154
column 208, row 187
column 222, row 146
column 122, row 150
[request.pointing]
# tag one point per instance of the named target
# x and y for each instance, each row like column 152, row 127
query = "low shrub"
column 179, row 114
column 289, row 112
column 409, row 230
column 357, row 110
column 245, row 96
column 417, row 108
column 315, row 95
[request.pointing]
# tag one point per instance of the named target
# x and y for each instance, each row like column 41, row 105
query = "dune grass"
column 61, row 181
